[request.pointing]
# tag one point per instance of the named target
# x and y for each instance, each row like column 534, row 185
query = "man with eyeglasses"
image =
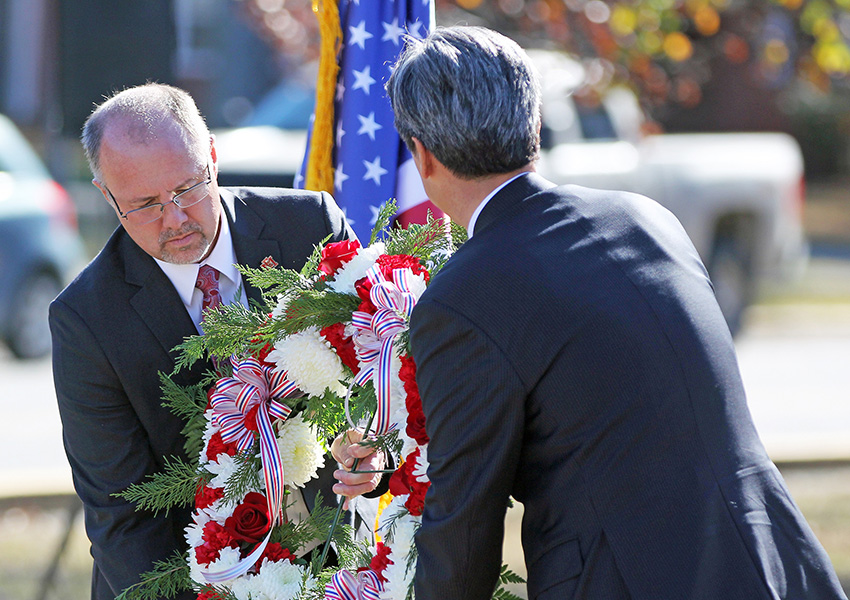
column 114, row 327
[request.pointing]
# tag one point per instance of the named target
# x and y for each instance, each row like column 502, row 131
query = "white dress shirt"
column 471, row 227
column 223, row 258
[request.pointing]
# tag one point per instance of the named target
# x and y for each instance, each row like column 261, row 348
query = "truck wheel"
column 730, row 271
column 28, row 334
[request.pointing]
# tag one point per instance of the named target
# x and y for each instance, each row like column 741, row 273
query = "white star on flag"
column 363, row 79
column 368, row 125
column 339, row 177
column 392, row 32
column 374, row 170
column 359, row 35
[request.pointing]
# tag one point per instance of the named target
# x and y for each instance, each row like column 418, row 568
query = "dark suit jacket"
column 572, row 355
column 113, row 330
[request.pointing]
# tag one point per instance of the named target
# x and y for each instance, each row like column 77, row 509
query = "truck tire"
column 730, row 269
column 28, row 334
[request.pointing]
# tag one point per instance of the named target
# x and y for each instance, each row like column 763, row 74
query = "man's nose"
column 173, row 215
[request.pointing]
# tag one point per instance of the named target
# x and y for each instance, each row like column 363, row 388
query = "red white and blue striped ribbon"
column 253, row 385
column 345, row 586
column 375, row 334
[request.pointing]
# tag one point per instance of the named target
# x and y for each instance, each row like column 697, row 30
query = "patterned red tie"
column 207, row 282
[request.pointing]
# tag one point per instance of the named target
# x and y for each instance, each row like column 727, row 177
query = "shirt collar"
column 222, row 257
column 471, row 227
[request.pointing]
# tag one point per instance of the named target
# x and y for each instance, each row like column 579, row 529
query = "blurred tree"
column 695, row 64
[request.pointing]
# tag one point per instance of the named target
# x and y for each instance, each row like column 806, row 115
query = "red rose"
column 381, row 560
column 276, row 553
column 250, row 521
column 217, row 446
column 388, row 262
column 363, row 287
column 336, row 254
column 343, row 344
column 205, row 496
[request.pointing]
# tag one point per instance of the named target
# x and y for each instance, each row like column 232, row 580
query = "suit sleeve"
column 108, row 449
column 337, row 225
column 474, row 414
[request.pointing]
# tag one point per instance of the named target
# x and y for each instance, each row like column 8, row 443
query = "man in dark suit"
column 572, row 355
column 115, row 327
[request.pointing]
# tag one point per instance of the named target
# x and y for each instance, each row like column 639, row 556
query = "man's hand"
column 345, row 449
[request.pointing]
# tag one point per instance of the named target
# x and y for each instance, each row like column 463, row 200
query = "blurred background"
column 733, row 113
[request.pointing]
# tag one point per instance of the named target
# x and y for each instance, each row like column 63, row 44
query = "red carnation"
column 217, row 446
column 206, row 496
column 276, row 553
column 415, row 416
column 336, row 254
column 381, row 560
column 388, row 262
column 404, row 482
column 215, row 538
column 250, row 520
column 343, row 344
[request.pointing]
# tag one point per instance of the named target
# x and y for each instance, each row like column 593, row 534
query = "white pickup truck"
column 738, row 195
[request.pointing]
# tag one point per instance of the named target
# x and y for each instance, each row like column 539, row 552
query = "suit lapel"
column 509, row 196
column 156, row 302
column 246, row 228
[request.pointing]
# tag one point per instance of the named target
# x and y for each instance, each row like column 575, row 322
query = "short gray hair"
column 472, row 97
column 147, row 107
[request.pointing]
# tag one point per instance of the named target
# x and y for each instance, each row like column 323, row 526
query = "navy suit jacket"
column 114, row 329
column 572, row 355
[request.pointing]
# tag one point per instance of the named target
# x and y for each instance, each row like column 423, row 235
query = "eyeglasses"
column 152, row 212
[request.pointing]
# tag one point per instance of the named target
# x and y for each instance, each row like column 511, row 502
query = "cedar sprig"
column 315, row 308
column 167, row 579
column 174, row 486
column 246, row 476
column 385, row 217
column 189, row 404
column 506, row 576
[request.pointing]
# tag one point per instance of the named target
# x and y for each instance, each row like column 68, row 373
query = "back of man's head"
column 472, row 97
column 142, row 112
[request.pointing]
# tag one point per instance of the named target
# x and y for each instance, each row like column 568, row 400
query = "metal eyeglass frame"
column 175, row 200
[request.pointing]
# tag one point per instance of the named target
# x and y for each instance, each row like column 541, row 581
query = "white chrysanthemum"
column 281, row 580
column 417, row 285
column 218, row 511
column 227, row 558
column 209, row 431
column 397, row 394
column 195, row 569
column 420, row 471
column 310, row 362
column 399, row 576
column 194, row 533
column 283, row 301
column 222, row 470
column 394, row 511
column 246, row 588
column 350, row 272
column 301, row 453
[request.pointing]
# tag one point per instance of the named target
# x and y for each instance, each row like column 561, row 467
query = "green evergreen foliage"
column 174, row 486
column 167, row 579
column 506, row 576
column 247, row 475
column 189, row 404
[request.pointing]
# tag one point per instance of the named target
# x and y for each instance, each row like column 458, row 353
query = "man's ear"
column 99, row 186
column 423, row 158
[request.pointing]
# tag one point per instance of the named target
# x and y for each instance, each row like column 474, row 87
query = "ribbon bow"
column 253, row 387
column 366, row 585
column 374, row 335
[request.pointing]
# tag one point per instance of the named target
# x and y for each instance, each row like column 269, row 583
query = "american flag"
column 372, row 164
